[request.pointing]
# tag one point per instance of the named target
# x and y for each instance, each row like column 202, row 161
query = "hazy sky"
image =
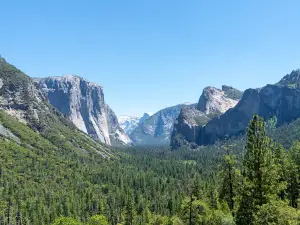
column 149, row 54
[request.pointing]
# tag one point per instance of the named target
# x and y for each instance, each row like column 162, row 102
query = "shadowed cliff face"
column 83, row 102
column 212, row 103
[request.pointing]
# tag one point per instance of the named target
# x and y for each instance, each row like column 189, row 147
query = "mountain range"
column 79, row 104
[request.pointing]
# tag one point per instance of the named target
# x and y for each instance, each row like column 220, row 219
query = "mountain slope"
column 83, row 102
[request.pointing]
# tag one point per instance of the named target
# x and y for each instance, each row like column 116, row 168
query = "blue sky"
column 150, row 54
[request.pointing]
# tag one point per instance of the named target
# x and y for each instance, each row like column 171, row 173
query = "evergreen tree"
column 194, row 212
column 282, row 163
column 259, row 171
column 98, row 220
column 129, row 210
column 276, row 212
column 230, row 179
column 293, row 176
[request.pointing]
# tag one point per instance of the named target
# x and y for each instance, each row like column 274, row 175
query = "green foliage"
column 98, row 220
column 159, row 220
column 66, row 221
column 231, row 179
column 175, row 220
column 259, row 168
column 47, row 178
column 259, row 171
column 277, row 213
column 195, row 211
column 286, row 134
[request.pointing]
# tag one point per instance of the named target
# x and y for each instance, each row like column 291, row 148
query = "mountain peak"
column 292, row 79
column 70, row 78
column 232, row 92
column 214, row 100
column 2, row 59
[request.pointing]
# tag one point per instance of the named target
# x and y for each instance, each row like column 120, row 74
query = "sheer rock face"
column 157, row 129
column 212, row 103
column 83, row 102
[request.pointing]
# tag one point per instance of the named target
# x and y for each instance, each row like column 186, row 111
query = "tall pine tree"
column 259, row 171
column 231, row 176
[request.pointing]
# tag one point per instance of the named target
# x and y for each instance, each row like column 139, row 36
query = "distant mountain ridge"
column 156, row 130
column 129, row 123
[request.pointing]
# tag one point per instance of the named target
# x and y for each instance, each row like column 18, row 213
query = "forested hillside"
column 42, row 182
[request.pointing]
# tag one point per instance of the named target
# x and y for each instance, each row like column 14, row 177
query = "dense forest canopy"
column 245, row 180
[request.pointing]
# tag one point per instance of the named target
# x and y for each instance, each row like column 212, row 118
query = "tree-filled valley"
column 244, row 180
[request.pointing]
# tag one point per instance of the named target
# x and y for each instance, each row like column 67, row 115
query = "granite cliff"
column 83, row 102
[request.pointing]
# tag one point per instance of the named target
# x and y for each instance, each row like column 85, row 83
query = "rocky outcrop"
column 83, row 102
column 156, row 130
column 212, row 103
column 129, row 123
column 215, row 101
column 291, row 80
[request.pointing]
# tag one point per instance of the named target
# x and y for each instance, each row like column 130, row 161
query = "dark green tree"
column 129, row 210
column 293, row 174
column 259, row 172
column 230, row 179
